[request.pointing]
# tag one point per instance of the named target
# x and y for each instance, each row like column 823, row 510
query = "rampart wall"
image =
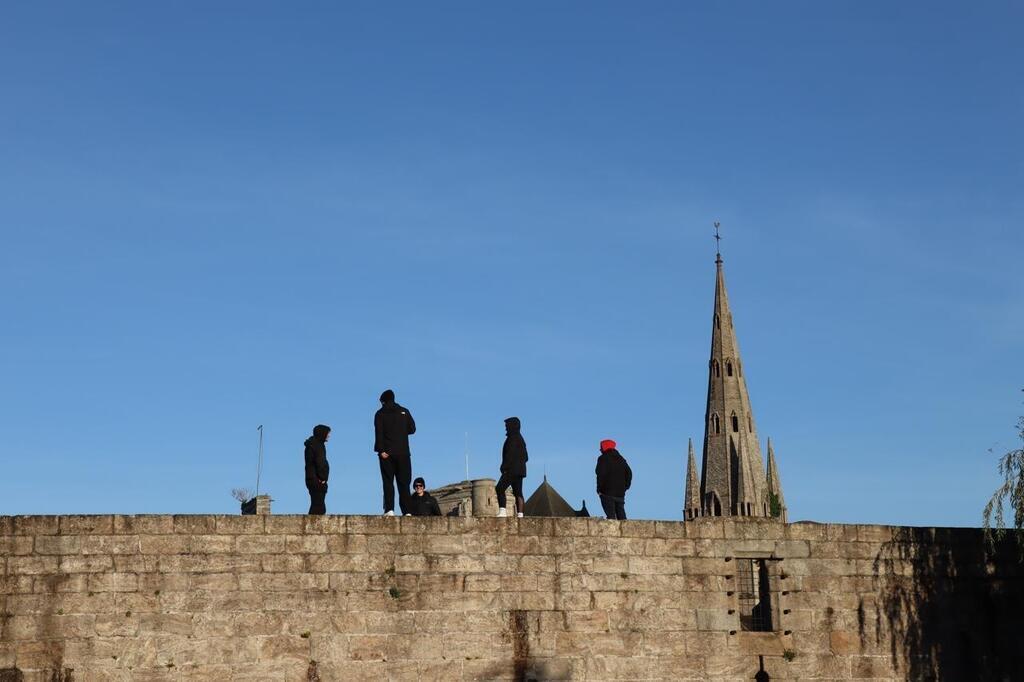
column 345, row 598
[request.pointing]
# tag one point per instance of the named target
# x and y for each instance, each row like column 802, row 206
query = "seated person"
column 421, row 503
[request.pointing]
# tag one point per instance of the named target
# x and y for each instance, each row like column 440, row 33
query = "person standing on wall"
column 392, row 425
column 513, row 467
column 422, row 503
column 613, row 480
column 318, row 469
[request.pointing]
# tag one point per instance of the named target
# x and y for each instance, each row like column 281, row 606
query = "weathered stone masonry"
column 354, row 598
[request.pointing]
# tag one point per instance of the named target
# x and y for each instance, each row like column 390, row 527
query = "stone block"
column 58, row 544
column 604, row 527
column 32, row 565
column 844, row 642
column 484, row 582
column 143, row 524
column 164, row 544
column 367, row 647
column 285, row 524
column 570, row 527
column 644, row 565
column 110, row 544
column 374, row 525
column 717, row 619
column 423, row 525
column 35, row 525
column 284, row 648
column 328, row 524
column 239, row 525
column 305, row 544
column 535, row 526
column 101, row 524
column 669, row 547
column 259, row 544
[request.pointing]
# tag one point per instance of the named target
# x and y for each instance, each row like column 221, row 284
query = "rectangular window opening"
column 755, row 600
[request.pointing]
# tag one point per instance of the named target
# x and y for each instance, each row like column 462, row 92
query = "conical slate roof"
column 545, row 501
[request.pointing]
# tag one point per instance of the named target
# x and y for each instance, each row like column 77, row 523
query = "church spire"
column 773, row 486
column 732, row 470
column 691, row 505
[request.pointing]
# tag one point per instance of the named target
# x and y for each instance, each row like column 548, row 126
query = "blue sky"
column 220, row 215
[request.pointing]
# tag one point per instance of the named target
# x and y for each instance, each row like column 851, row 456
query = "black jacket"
column 613, row 474
column 392, row 425
column 317, row 467
column 513, row 452
column 423, row 505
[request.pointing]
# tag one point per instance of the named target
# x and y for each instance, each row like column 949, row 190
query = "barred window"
column 754, row 595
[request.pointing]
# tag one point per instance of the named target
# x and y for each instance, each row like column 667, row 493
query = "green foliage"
column 789, row 654
column 774, row 505
column 1009, row 494
column 395, row 592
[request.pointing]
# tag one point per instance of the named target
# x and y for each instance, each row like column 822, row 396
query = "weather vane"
column 718, row 243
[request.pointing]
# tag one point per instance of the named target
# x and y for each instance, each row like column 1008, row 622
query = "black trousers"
column 317, row 499
column 614, row 507
column 396, row 467
column 504, row 482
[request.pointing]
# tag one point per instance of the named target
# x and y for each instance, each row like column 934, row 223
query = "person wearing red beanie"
column 613, row 480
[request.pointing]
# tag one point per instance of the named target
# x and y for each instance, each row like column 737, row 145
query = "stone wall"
column 371, row 598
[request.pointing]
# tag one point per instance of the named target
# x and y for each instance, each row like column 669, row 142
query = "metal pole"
column 259, row 463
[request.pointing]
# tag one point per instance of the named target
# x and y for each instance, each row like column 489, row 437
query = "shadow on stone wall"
column 949, row 607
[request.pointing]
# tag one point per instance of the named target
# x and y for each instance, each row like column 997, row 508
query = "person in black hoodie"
column 422, row 503
column 513, row 466
column 317, row 468
column 392, row 425
column 613, row 480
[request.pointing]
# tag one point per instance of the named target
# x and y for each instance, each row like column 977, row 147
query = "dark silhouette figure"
column 317, row 468
column 392, row 425
column 513, row 467
column 613, row 480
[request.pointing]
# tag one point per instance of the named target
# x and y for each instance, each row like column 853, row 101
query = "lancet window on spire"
column 728, row 367
column 714, row 423
column 716, row 368
column 735, row 423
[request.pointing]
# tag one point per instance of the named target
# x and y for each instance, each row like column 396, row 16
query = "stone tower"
column 691, row 506
column 732, row 470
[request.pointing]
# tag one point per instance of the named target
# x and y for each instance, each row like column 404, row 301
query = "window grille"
column 754, row 595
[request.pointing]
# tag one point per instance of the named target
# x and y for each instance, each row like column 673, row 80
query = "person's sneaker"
column 502, row 512
column 407, row 514
column 519, row 515
column 389, row 513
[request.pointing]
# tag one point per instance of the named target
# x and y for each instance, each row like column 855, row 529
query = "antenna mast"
column 259, row 461
column 467, row 455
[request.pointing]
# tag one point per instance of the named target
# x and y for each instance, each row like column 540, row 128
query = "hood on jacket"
column 320, row 432
column 512, row 425
column 387, row 396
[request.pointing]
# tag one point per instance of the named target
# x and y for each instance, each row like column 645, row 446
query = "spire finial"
column 718, row 244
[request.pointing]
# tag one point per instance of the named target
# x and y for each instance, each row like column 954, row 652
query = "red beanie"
column 607, row 445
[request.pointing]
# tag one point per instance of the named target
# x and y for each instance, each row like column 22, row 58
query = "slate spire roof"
column 733, row 479
column 691, row 506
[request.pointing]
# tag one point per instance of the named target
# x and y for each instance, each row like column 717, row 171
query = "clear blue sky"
column 220, row 215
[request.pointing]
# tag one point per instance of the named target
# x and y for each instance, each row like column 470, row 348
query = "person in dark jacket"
column 392, row 425
column 613, row 480
column 513, row 467
column 317, row 468
column 422, row 503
